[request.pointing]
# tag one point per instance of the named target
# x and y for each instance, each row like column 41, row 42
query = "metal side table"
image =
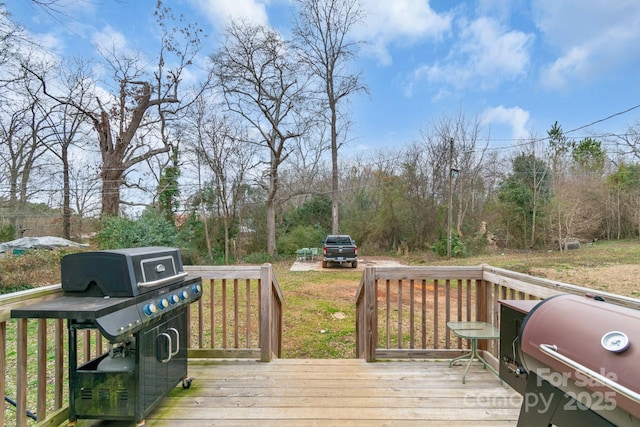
column 474, row 331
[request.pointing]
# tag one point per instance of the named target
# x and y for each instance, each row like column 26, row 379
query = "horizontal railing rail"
column 403, row 311
column 239, row 315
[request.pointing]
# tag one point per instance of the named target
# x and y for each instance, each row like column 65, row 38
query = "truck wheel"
column 354, row 264
column 324, row 264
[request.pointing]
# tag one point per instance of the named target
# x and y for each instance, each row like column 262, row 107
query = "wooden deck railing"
column 239, row 315
column 400, row 312
column 403, row 311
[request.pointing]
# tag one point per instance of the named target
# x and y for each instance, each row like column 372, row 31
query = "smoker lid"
column 586, row 340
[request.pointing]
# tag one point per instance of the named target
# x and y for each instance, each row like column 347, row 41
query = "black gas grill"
column 137, row 298
column 576, row 361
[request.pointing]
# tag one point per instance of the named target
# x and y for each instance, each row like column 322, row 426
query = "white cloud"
column 499, row 8
column 108, row 39
column 389, row 21
column 219, row 12
column 516, row 118
column 485, row 54
column 573, row 63
column 491, row 49
column 588, row 38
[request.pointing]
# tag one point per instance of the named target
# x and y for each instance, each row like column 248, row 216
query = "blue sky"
column 518, row 65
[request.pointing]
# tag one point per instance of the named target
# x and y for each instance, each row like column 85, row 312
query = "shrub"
column 7, row 232
column 36, row 267
column 151, row 229
column 258, row 258
column 300, row 237
column 458, row 249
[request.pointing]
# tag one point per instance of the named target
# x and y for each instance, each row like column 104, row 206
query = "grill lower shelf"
column 104, row 394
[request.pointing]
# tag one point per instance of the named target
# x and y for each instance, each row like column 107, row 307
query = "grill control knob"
column 197, row 289
column 163, row 303
column 173, row 299
column 150, row 309
column 184, row 295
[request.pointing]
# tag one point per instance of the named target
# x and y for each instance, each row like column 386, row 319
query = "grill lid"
column 587, row 344
column 122, row 272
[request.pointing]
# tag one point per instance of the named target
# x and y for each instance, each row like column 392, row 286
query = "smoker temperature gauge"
column 615, row 341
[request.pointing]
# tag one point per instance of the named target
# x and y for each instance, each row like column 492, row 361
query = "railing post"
column 59, row 364
column 41, row 408
column 482, row 309
column 3, row 364
column 371, row 315
column 483, row 295
column 266, row 313
column 21, row 381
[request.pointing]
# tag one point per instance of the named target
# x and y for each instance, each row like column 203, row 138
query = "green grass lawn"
column 319, row 307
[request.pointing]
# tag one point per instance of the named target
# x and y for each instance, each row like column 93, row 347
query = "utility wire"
column 604, row 119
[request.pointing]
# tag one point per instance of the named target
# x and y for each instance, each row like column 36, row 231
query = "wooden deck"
column 330, row 392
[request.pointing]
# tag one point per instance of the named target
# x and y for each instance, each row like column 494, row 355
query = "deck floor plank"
column 328, row 392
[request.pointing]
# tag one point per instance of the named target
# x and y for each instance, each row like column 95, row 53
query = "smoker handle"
column 552, row 350
column 168, row 359
column 162, row 281
column 173, row 353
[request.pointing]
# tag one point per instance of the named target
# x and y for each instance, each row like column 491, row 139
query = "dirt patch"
column 618, row 279
column 316, row 265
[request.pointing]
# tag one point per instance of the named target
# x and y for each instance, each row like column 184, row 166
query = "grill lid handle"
column 552, row 351
column 162, row 281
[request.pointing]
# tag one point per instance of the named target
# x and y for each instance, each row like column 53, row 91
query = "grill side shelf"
column 71, row 307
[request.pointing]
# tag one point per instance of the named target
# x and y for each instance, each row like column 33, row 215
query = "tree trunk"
column 225, row 221
column 271, row 206
column 66, row 196
column 534, row 207
column 204, row 215
column 560, row 242
column 271, row 227
column 335, row 194
column 111, row 181
column 619, row 215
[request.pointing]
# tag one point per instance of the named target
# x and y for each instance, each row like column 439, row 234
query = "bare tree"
column 304, row 169
column 130, row 123
column 628, row 144
column 84, row 187
column 218, row 146
column 11, row 36
column 262, row 84
column 22, row 126
column 322, row 30
column 457, row 152
column 66, row 126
